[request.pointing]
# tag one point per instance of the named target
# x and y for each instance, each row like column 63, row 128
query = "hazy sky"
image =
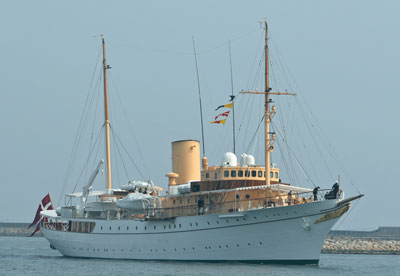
column 342, row 58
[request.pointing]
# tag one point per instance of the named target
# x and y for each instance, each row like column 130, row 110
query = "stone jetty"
column 16, row 229
column 353, row 245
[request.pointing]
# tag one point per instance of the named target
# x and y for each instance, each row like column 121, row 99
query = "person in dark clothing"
column 315, row 193
column 335, row 189
column 200, row 204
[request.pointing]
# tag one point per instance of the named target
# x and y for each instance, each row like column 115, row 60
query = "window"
column 271, row 174
column 174, row 201
column 247, row 173
column 247, row 196
column 259, row 173
column 207, row 175
column 233, row 173
column 226, row 173
column 237, row 196
column 276, row 175
column 253, row 173
column 188, row 200
column 240, row 173
column 215, row 175
column 265, row 174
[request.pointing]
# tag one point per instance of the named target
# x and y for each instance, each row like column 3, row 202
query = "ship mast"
column 267, row 113
column 107, row 121
column 267, row 118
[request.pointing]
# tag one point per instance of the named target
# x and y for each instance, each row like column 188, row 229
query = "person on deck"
column 315, row 193
column 335, row 189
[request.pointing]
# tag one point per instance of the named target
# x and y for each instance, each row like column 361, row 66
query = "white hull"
column 281, row 234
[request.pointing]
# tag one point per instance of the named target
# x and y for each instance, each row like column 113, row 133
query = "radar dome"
column 229, row 160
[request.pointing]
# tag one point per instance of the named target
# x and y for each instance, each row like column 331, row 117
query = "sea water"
column 33, row 256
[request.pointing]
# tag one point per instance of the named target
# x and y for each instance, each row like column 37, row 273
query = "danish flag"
column 45, row 204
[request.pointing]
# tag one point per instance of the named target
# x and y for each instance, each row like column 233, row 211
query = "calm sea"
column 32, row 256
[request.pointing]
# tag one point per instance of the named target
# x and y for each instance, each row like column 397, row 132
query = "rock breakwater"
column 354, row 245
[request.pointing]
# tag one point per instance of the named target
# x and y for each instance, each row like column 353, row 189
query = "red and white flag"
column 45, row 204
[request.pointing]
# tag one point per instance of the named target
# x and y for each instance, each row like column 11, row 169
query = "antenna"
column 201, row 109
column 233, row 106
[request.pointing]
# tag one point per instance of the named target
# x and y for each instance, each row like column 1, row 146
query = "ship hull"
column 289, row 234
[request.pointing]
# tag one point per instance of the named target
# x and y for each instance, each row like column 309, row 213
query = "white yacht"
column 229, row 212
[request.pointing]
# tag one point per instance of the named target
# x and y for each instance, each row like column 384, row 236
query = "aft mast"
column 107, row 121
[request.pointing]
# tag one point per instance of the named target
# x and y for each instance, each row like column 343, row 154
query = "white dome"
column 248, row 160
column 229, row 160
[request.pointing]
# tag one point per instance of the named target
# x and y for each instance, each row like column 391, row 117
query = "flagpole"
column 201, row 109
column 233, row 105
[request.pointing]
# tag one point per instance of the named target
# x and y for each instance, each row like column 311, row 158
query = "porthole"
column 237, row 245
column 260, row 243
column 127, row 228
column 173, row 201
column 217, row 221
column 208, row 222
column 180, row 226
column 145, row 228
column 119, row 228
column 101, row 227
column 136, row 227
column 226, row 246
column 247, row 196
column 110, row 228
column 174, row 225
column 155, row 227
column 175, row 249
column 197, row 224
column 237, row 220
column 227, row 221
column 248, row 244
column 237, row 196
column 255, row 217
column 191, row 224
column 165, row 226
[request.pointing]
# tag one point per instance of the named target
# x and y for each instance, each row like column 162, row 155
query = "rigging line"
column 248, row 122
column 255, row 133
column 201, row 109
column 331, row 150
column 315, row 142
column 120, row 155
column 130, row 126
column 255, row 57
column 299, row 164
column 130, row 157
column 94, row 123
column 75, row 144
column 87, row 160
column 94, row 119
column 285, row 163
